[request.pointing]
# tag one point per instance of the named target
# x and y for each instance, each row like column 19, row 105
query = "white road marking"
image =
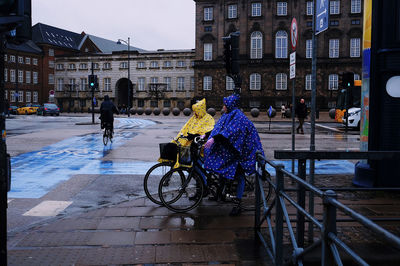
column 48, row 208
column 326, row 127
column 9, row 200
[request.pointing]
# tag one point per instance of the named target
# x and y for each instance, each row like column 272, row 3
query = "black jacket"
column 301, row 110
column 107, row 109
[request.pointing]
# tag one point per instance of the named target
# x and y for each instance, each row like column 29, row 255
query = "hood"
column 232, row 102
column 199, row 108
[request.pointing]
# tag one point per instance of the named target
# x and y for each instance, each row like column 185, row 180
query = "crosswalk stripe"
column 48, row 208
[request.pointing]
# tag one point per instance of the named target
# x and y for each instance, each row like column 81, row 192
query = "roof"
column 45, row 34
column 108, row 46
column 28, row 47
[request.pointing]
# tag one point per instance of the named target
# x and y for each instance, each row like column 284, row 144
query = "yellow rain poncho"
column 200, row 123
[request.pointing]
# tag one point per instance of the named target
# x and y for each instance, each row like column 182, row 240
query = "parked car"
column 26, row 110
column 13, row 109
column 48, row 109
column 354, row 117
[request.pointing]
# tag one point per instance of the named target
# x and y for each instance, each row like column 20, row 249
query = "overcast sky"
column 151, row 24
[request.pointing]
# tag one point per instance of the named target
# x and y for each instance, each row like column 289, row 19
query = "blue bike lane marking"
column 36, row 173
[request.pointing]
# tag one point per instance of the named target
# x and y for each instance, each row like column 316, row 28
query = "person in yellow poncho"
column 199, row 124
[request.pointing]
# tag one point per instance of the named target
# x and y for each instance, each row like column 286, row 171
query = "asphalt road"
column 60, row 165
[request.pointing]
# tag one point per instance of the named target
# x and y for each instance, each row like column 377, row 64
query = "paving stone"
column 112, row 238
column 71, row 224
column 45, row 239
column 227, row 222
column 114, row 211
column 220, row 253
column 147, row 211
column 180, row 253
column 202, row 236
column 118, row 256
column 132, row 203
column 155, row 238
column 167, row 223
column 122, row 223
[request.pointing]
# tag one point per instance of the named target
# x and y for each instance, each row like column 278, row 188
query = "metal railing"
column 273, row 237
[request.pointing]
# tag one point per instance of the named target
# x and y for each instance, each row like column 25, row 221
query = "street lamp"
column 129, row 74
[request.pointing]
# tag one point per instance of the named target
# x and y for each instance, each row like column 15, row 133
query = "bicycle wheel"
column 180, row 192
column 152, row 179
column 105, row 137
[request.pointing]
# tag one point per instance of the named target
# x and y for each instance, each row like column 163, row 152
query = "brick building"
column 264, row 27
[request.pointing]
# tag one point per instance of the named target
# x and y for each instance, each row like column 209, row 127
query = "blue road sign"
column 270, row 111
column 322, row 17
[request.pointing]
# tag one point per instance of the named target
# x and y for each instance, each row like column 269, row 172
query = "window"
column 181, row 83
column 124, row 65
column 167, row 81
column 60, row 66
column 207, row 29
column 181, row 64
column 230, row 85
column 334, row 7
column 333, row 82
column 35, row 61
column 70, row 66
column 154, row 64
column 35, row 96
column 355, row 47
column 107, row 84
column 35, row 77
column 254, row 104
column 20, row 76
column 12, row 96
column 83, row 66
column 207, row 51
column 84, row 84
column 12, row 58
column 281, row 9
column 256, row 9
column 308, row 48
column 5, row 75
column 12, row 75
column 154, row 80
column 141, row 65
column 192, row 84
column 20, row 60
column 355, row 6
column 310, row 8
column 167, row 64
column 72, row 85
column 281, row 43
column 167, row 103
column 356, row 76
column 28, row 77
column 5, row 58
column 256, row 45
column 5, row 94
column 141, row 84
column 334, row 22
column 28, row 97
column 308, row 82
column 140, row 103
column 27, row 60
column 107, row 65
column 153, row 103
column 355, row 22
column 309, row 23
column 333, row 48
column 51, row 78
column 281, row 81
column 207, row 83
column 255, row 81
column 232, row 11
column 20, row 96
column 51, row 52
column 208, row 14
column 51, row 64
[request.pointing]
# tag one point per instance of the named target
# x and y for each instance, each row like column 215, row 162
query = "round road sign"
column 294, row 33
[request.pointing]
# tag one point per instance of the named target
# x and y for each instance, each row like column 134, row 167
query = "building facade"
column 158, row 79
column 264, row 27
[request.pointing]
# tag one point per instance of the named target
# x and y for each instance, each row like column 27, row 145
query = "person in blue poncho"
column 232, row 145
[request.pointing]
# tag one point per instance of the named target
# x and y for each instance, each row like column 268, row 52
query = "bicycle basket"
column 185, row 156
column 168, row 151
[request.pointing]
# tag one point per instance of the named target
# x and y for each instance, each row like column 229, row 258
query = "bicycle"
column 184, row 194
column 108, row 133
column 168, row 152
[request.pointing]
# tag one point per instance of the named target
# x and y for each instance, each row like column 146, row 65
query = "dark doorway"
column 122, row 92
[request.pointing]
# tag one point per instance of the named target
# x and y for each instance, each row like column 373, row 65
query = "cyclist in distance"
column 231, row 149
column 107, row 110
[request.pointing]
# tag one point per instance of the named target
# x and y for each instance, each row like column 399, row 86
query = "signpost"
column 294, row 35
column 322, row 18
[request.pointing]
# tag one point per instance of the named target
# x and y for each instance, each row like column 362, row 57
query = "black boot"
column 237, row 210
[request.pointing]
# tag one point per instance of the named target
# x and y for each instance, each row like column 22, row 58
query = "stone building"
column 264, row 27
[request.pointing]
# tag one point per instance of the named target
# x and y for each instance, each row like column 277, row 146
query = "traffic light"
column 227, row 54
column 93, row 82
column 8, row 7
column 16, row 15
column 231, row 53
column 347, row 80
column 24, row 29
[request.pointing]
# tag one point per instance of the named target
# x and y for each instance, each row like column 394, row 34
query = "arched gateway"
column 121, row 95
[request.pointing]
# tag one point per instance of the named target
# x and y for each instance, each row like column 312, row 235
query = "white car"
column 354, row 116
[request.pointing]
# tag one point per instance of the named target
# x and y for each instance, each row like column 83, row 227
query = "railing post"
column 301, row 200
column 257, row 203
column 329, row 226
column 279, row 216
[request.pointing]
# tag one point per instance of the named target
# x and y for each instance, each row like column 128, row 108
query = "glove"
column 209, row 143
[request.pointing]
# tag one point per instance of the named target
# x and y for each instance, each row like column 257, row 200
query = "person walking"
column 283, row 110
column 301, row 112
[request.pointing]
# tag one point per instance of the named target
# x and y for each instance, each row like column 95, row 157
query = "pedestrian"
column 283, row 110
column 107, row 110
column 301, row 112
column 231, row 149
column 7, row 108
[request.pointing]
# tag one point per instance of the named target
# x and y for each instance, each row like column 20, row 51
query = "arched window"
column 255, row 81
column 256, row 45
column 281, row 44
column 281, row 81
